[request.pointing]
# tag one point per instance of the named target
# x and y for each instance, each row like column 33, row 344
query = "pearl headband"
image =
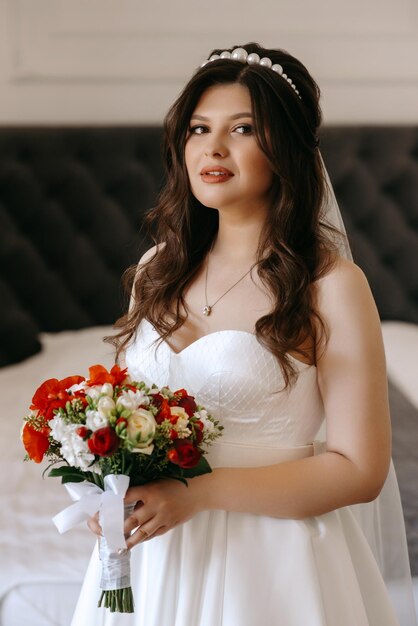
column 239, row 54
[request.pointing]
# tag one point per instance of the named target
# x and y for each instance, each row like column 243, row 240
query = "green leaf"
column 202, row 467
column 68, row 474
column 72, row 478
column 182, row 480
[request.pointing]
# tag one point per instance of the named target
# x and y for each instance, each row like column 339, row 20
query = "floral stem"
column 117, row 600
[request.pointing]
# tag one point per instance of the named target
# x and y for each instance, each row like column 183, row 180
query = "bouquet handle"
column 115, row 581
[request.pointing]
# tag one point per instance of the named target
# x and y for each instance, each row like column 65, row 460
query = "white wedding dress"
column 239, row 569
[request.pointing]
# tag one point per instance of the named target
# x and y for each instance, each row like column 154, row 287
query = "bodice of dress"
column 238, row 381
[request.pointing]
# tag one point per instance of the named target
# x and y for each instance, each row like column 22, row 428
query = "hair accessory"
column 241, row 55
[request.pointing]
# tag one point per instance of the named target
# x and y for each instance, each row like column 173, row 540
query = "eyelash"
column 248, row 127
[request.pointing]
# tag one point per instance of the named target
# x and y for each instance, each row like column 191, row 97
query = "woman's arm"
column 353, row 385
column 147, row 256
column 352, row 379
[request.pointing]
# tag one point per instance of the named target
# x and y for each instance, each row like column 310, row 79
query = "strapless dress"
column 237, row 569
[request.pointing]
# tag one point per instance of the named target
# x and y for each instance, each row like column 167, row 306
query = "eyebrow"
column 232, row 117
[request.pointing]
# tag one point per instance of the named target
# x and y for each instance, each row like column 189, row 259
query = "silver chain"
column 207, row 309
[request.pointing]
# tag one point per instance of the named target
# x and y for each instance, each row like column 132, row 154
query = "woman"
column 249, row 303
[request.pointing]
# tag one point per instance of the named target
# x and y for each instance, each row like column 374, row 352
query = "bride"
column 250, row 300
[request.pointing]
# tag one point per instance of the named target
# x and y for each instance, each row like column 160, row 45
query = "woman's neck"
column 237, row 242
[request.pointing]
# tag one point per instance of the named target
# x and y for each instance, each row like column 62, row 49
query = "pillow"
column 18, row 331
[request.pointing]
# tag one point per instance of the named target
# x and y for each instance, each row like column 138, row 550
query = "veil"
column 381, row 520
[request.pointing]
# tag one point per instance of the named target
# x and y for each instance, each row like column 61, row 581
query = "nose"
column 215, row 145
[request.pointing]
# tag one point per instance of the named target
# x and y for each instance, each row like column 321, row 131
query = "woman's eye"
column 197, row 130
column 244, row 129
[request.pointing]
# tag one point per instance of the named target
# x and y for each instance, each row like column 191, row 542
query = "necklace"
column 207, row 309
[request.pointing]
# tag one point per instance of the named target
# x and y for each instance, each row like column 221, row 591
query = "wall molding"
column 124, row 61
column 125, row 41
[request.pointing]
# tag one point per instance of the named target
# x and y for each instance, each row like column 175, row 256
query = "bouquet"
column 105, row 434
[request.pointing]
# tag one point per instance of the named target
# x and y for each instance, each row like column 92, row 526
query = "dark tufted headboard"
column 71, row 207
column 72, row 201
column 374, row 171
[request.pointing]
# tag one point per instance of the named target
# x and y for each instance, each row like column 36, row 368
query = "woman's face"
column 226, row 168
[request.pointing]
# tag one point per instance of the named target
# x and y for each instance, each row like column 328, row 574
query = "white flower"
column 95, row 420
column 105, row 406
column 73, row 447
column 75, row 450
column 178, row 410
column 131, row 400
column 184, row 433
column 182, row 423
column 141, row 428
column 94, row 392
column 77, row 387
column 147, row 450
column 107, row 390
column 207, row 424
column 59, row 428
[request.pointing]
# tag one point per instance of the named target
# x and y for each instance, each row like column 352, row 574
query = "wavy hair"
column 296, row 247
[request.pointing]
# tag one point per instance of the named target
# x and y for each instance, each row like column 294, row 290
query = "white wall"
column 123, row 61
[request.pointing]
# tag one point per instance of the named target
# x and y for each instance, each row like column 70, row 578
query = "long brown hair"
column 296, row 247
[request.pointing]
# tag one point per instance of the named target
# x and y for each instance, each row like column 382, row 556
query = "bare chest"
column 232, row 306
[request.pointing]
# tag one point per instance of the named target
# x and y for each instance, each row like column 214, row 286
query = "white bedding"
column 40, row 570
column 401, row 347
column 36, row 562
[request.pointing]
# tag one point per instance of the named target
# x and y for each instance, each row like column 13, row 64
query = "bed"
column 71, row 207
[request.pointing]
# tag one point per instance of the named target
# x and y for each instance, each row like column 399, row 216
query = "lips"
column 215, row 174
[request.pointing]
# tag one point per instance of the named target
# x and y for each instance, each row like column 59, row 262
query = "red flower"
column 180, row 393
column 185, row 454
column 188, row 404
column 173, row 456
column 157, row 399
column 99, row 375
column 103, row 442
column 164, row 412
column 35, row 441
column 52, row 395
column 198, row 430
column 83, row 432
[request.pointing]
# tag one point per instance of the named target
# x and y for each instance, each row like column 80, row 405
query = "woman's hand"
column 93, row 524
column 161, row 505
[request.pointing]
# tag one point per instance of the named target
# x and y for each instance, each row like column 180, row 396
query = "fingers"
column 139, row 526
column 93, row 524
column 133, row 494
column 145, row 532
column 135, row 519
column 130, row 524
column 138, row 536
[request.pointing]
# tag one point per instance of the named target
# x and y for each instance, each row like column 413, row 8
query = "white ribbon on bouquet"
column 90, row 498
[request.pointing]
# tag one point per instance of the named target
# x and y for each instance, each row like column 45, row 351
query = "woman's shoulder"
column 342, row 274
column 343, row 294
column 149, row 254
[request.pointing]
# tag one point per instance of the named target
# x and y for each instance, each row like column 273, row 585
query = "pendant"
column 207, row 310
